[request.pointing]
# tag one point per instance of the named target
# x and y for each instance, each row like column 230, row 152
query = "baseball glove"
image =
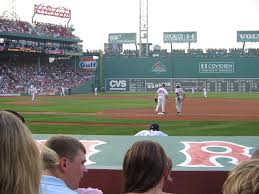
column 156, row 100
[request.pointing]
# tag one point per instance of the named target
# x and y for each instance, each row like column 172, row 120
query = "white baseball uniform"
column 150, row 133
column 180, row 94
column 62, row 91
column 161, row 95
column 95, row 91
column 204, row 92
column 33, row 92
column 193, row 90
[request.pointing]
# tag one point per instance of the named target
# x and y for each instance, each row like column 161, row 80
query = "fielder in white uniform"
column 62, row 91
column 205, row 92
column 95, row 91
column 180, row 95
column 33, row 92
column 152, row 131
column 193, row 90
column 161, row 94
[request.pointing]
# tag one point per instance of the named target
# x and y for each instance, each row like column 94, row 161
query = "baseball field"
column 221, row 114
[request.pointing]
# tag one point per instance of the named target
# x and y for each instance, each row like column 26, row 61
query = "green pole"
column 101, row 70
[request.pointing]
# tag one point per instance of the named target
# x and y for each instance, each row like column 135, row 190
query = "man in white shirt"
column 95, row 91
column 152, row 131
column 205, row 92
column 32, row 92
column 180, row 95
column 161, row 95
column 62, row 90
column 193, row 90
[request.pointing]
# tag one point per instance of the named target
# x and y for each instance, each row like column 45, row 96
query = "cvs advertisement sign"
column 117, row 85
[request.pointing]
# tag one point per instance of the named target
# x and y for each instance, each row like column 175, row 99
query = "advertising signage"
column 247, row 36
column 122, row 38
column 216, row 67
column 180, row 37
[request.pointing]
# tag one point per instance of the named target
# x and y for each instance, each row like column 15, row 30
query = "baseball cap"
column 154, row 127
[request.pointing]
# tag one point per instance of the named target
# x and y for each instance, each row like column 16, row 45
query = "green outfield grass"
column 179, row 128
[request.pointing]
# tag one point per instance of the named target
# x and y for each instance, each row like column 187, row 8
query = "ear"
column 63, row 164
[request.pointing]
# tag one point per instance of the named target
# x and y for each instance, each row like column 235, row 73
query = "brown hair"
column 20, row 162
column 244, row 179
column 65, row 146
column 144, row 165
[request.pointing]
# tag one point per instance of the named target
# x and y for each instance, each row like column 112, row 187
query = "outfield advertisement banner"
column 88, row 63
column 117, row 85
column 180, row 37
column 122, row 38
column 247, row 36
column 216, row 67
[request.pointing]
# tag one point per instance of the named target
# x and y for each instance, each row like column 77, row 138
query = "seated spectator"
column 145, row 168
column 20, row 169
column 152, row 131
column 255, row 155
column 243, row 179
column 63, row 166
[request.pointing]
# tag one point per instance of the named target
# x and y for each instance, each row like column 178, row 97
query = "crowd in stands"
column 17, row 78
column 210, row 52
column 37, row 28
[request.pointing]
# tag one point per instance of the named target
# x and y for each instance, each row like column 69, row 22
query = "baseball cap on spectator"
column 154, row 127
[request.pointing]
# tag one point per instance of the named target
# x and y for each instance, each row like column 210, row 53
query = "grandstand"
column 41, row 54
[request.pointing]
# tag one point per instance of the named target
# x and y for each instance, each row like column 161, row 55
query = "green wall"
column 177, row 67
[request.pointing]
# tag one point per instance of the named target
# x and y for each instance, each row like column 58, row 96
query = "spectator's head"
column 145, row 166
column 20, row 169
column 154, row 127
column 71, row 158
column 163, row 85
column 255, row 155
column 244, row 179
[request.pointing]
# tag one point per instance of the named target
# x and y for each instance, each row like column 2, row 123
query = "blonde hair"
column 19, row 166
column 244, row 179
column 49, row 158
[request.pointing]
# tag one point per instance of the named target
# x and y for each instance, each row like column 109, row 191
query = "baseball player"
column 95, row 91
column 33, row 92
column 161, row 94
column 62, row 91
column 193, row 90
column 205, row 92
column 152, row 131
column 180, row 95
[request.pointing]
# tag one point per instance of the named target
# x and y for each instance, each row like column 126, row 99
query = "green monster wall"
column 180, row 67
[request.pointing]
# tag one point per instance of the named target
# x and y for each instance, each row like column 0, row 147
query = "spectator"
column 50, row 161
column 145, row 168
column 63, row 166
column 244, row 179
column 19, row 169
column 152, row 131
